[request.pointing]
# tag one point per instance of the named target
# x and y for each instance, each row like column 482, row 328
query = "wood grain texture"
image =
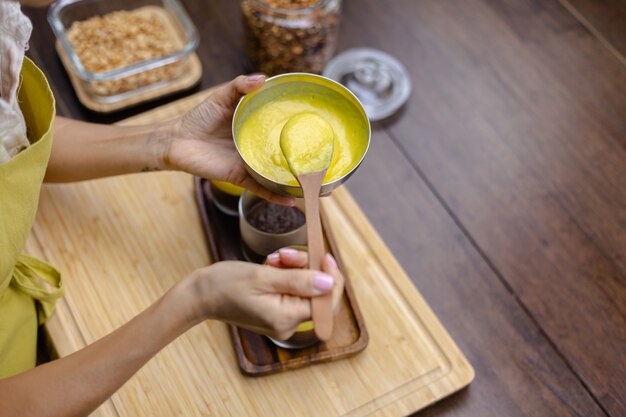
column 606, row 20
column 502, row 181
column 124, row 241
column 518, row 371
column 321, row 307
column 518, row 366
column 63, row 323
column 117, row 264
column 518, row 125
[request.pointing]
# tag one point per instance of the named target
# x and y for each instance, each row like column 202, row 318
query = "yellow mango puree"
column 258, row 138
column 305, row 327
column 307, row 142
column 228, row 188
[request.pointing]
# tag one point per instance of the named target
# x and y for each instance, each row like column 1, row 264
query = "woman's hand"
column 199, row 142
column 292, row 258
column 264, row 299
column 202, row 143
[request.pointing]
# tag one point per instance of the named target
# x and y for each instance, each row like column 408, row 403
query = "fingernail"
column 273, row 257
column 255, row 77
column 323, row 282
column 287, row 251
column 331, row 260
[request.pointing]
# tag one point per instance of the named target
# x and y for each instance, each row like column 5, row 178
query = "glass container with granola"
column 290, row 35
column 115, row 50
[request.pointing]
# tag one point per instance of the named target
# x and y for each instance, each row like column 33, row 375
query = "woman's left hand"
column 202, row 142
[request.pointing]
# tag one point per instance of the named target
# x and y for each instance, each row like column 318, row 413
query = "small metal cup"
column 257, row 244
column 225, row 197
column 303, row 337
column 294, row 83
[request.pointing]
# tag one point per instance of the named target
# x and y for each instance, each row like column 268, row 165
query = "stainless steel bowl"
column 280, row 86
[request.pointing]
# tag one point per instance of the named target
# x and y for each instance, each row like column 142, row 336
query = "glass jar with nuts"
column 119, row 52
column 122, row 38
column 290, row 35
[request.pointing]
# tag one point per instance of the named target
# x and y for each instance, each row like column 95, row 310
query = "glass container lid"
column 379, row 80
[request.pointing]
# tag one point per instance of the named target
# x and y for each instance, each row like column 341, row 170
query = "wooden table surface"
column 500, row 187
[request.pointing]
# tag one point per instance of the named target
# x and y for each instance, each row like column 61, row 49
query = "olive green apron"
column 28, row 286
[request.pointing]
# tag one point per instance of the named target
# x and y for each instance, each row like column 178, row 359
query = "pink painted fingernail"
column 273, row 257
column 331, row 260
column 288, row 251
column 323, row 282
column 255, row 77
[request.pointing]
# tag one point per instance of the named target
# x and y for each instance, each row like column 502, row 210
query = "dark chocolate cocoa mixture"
column 272, row 218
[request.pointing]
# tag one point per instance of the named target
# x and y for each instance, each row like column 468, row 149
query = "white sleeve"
column 15, row 30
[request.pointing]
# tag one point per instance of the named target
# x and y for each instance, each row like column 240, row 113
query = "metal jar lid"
column 379, row 80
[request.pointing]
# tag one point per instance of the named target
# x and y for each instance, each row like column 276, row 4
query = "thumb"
column 229, row 94
column 298, row 282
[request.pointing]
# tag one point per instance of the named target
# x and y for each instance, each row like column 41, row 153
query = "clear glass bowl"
column 120, row 83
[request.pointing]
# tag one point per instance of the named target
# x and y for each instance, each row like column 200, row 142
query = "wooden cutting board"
column 122, row 242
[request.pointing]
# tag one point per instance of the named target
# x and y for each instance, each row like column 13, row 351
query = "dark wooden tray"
column 256, row 354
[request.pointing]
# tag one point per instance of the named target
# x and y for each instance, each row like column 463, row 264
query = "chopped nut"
column 122, row 38
column 301, row 39
column 291, row 4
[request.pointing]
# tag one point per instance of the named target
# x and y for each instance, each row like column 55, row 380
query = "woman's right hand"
column 263, row 298
column 293, row 258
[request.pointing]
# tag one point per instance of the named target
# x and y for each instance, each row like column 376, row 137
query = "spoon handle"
column 322, row 305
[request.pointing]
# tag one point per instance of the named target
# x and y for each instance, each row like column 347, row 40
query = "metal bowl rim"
column 325, row 186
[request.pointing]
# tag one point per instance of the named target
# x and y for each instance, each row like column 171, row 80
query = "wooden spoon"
column 307, row 141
